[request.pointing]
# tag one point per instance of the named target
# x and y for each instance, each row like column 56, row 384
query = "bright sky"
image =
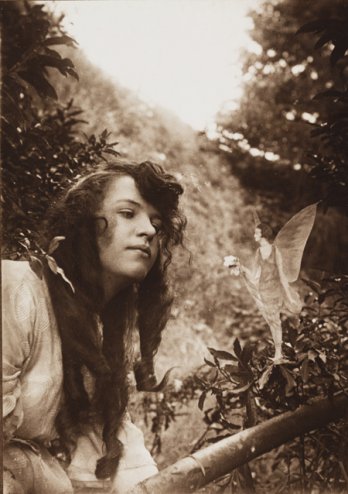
column 179, row 54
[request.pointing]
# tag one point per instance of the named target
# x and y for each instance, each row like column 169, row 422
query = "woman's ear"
column 101, row 225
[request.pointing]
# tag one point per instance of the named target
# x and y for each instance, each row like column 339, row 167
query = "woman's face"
column 129, row 246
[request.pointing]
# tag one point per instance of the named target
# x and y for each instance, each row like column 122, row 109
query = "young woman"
column 67, row 331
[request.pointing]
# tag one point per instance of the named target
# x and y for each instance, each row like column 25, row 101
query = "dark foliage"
column 295, row 105
column 247, row 389
column 42, row 147
column 329, row 164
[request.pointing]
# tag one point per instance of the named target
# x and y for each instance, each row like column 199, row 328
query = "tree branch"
column 204, row 466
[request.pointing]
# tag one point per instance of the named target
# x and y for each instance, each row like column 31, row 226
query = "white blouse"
column 33, row 376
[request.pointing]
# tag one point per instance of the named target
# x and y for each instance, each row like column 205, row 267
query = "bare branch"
column 204, row 466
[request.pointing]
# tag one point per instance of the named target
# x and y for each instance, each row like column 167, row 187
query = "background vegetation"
column 283, row 148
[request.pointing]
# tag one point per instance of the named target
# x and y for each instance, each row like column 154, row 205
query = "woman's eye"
column 127, row 213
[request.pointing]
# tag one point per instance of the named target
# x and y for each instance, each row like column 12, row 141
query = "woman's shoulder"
column 24, row 294
column 16, row 271
column 17, row 274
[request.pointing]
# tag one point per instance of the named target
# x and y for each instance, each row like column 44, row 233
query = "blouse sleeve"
column 136, row 463
column 18, row 321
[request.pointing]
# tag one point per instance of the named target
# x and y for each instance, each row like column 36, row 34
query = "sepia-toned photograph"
column 174, row 194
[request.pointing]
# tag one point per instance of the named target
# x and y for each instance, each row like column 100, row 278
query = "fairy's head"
column 263, row 231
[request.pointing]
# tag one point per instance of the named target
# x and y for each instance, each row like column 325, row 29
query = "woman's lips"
column 144, row 249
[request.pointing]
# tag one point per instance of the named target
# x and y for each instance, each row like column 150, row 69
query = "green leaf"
column 111, row 151
column 312, row 284
column 209, row 363
column 73, row 73
column 221, row 354
column 39, row 83
column 233, row 369
column 68, row 62
column 237, row 391
column 331, row 93
column 246, row 353
column 61, row 64
column 62, row 274
column 25, row 244
column 216, row 439
column 60, row 40
column 313, row 26
column 202, row 400
column 265, row 376
column 52, row 264
column 237, row 348
column 338, row 52
column 52, row 53
column 231, row 425
column 305, row 370
column 325, row 38
column 290, row 381
column 55, row 244
column 105, row 134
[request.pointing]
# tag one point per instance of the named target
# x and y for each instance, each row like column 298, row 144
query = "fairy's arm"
column 253, row 273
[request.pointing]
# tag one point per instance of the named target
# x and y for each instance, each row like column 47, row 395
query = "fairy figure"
column 275, row 267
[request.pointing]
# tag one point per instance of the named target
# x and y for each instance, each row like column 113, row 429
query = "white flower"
column 177, row 384
column 231, row 261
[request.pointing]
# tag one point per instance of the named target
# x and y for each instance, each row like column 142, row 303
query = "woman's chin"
column 138, row 275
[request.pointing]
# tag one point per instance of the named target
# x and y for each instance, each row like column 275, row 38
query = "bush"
column 42, row 146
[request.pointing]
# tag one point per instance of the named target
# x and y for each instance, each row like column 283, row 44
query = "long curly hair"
column 105, row 353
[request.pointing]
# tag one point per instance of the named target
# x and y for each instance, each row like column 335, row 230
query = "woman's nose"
column 145, row 227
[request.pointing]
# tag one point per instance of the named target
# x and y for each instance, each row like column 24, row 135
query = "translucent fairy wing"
column 251, row 279
column 290, row 296
column 292, row 238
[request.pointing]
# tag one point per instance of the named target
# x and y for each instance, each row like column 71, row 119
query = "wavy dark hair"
column 80, row 315
column 266, row 231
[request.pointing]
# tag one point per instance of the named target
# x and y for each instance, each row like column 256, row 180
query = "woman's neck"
column 265, row 250
column 112, row 286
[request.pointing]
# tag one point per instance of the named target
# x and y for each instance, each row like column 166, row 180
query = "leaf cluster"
column 29, row 37
column 248, row 389
column 161, row 409
column 45, row 158
column 42, row 146
column 294, row 104
column 329, row 163
column 331, row 30
column 239, row 386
